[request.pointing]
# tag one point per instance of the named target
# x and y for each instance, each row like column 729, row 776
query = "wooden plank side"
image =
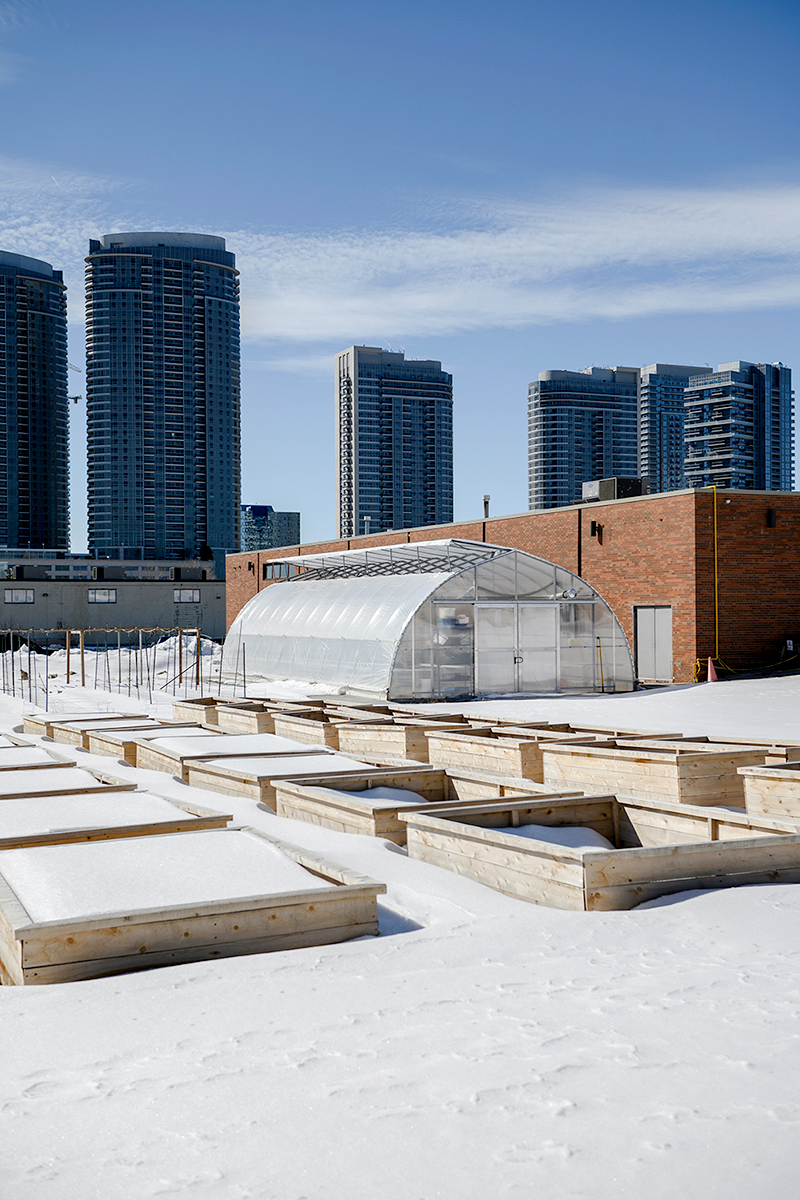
column 197, row 776
column 343, row 907
column 111, row 832
column 626, row 896
column 307, row 729
column 692, row 861
column 98, row 968
column 234, row 720
column 503, row 873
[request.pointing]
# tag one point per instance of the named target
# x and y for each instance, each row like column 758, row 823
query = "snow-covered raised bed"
column 603, row 852
column 79, row 911
column 682, row 771
column 314, row 728
column 63, row 780
column 122, row 743
column 173, row 753
column 48, row 820
column 246, row 716
column 390, row 743
column 369, row 803
column 202, row 709
column 41, row 723
column 491, row 750
column 74, row 732
column 255, row 776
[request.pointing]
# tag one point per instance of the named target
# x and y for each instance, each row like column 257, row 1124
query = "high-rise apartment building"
column 739, row 427
column 265, row 529
column 581, row 426
column 661, row 410
column 34, row 409
column 394, row 442
column 162, row 353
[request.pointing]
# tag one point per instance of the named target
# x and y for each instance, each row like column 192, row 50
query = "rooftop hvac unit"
column 620, row 487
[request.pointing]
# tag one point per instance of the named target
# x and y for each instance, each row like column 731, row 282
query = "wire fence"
column 35, row 664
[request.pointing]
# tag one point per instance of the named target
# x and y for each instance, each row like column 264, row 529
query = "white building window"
column 186, row 595
column 18, row 596
column 102, row 595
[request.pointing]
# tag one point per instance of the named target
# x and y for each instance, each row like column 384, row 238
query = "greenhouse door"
column 495, row 648
column 516, row 648
column 538, row 648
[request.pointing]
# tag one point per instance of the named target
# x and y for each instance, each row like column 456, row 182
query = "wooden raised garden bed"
column 75, row 733
column 174, row 754
column 246, row 716
column 255, row 777
column 390, row 744
column 41, row 724
column 772, row 791
column 654, row 849
column 490, row 750
column 689, row 773
column 70, row 912
column 61, row 780
column 58, row 819
column 369, row 803
column 15, row 758
column 312, row 728
column 202, row 710
column 121, row 743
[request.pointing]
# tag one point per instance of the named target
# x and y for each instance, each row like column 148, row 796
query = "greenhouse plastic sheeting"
column 339, row 631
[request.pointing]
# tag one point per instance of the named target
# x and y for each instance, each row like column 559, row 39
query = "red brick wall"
column 759, row 575
column 652, row 550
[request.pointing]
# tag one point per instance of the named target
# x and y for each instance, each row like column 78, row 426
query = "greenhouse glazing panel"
column 578, row 647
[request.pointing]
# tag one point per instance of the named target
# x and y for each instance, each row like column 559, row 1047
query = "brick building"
column 652, row 559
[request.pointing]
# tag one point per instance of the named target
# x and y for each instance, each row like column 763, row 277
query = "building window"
column 18, row 596
column 102, row 595
column 186, row 595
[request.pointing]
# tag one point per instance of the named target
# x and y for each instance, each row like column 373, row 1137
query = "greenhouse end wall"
column 514, row 625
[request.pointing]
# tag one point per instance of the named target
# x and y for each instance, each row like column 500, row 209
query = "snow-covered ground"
column 480, row 1048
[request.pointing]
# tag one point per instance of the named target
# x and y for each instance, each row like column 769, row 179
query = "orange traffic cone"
column 712, row 674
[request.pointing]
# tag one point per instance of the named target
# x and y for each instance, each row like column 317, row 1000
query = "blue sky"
column 505, row 186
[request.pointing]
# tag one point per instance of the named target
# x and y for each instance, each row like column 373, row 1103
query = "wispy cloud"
column 607, row 255
column 52, row 214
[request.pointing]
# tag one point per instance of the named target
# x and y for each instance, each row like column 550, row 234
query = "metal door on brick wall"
column 652, row 639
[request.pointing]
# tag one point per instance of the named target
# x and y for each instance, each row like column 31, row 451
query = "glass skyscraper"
column 34, row 409
column 162, row 378
column 739, row 427
column 661, row 416
column 394, row 437
column 581, row 426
